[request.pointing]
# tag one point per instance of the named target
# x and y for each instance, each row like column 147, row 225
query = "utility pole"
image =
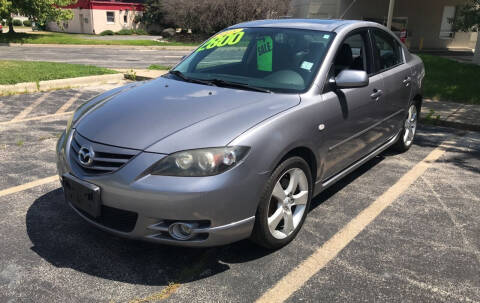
column 476, row 57
column 390, row 14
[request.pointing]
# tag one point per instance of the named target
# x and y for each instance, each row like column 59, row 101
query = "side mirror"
column 350, row 79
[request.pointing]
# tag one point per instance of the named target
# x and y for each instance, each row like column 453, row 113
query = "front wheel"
column 284, row 204
column 409, row 130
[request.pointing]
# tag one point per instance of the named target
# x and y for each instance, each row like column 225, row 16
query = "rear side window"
column 387, row 50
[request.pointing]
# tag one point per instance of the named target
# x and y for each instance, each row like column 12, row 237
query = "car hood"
column 184, row 115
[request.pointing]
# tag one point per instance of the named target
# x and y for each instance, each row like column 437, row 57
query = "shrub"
column 17, row 22
column 27, row 23
column 3, row 22
column 141, row 32
column 107, row 33
column 125, row 32
column 131, row 32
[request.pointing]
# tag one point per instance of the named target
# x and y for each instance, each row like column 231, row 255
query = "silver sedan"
column 235, row 140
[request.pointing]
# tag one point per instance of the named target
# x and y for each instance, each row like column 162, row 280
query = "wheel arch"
column 306, row 154
column 418, row 101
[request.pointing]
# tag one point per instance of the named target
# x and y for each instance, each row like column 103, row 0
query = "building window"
column 85, row 20
column 446, row 28
column 125, row 18
column 398, row 23
column 110, row 17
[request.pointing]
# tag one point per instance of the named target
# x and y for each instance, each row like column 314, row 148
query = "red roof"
column 108, row 5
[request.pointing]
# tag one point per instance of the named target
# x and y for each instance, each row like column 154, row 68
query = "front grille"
column 106, row 158
column 114, row 218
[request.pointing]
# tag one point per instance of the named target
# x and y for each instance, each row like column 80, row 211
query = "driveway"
column 402, row 228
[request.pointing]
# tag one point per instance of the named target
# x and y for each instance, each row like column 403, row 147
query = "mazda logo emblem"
column 85, row 156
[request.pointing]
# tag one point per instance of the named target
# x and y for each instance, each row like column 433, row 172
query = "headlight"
column 200, row 162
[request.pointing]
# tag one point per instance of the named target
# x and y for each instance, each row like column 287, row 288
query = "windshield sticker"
column 326, row 36
column 264, row 54
column 306, row 65
column 230, row 37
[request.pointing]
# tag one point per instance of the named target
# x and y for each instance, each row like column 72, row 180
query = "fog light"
column 180, row 231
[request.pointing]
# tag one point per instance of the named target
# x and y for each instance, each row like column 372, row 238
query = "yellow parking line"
column 37, row 118
column 26, row 186
column 69, row 103
column 162, row 295
column 29, row 108
column 330, row 249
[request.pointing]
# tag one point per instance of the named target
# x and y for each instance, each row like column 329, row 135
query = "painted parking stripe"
column 28, row 185
column 52, row 116
column 31, row 107
column 330, row 249
column 69, row 103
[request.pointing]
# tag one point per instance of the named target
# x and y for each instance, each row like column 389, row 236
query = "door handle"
column 377, row 93
column 407, row 81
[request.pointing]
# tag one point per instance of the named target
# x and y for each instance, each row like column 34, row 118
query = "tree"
column 6, row 12
column 209, row 16
column 153, row 13
column 40, row 11
column 468, row 20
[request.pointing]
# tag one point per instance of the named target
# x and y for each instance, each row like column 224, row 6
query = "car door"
column 353, row 115
column 390, row 63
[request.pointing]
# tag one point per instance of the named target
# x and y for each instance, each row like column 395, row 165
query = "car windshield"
column 262, row 59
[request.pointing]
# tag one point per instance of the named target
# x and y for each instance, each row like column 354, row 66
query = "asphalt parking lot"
column 402, row 228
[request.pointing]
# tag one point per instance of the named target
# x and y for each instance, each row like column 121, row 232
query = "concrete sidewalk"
column 457, row 115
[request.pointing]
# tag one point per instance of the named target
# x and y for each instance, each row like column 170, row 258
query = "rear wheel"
column 284, row 204
column 407, row 135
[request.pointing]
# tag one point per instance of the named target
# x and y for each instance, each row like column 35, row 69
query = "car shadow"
column 65, row 240
column 339, row 185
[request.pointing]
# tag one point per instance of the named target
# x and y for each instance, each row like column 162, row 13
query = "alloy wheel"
column 288, row 203
column 410, row 125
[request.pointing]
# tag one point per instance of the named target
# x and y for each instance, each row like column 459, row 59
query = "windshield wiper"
column 182, row 76
column 224, row 83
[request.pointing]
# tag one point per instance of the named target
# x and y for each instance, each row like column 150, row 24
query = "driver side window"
column 352, row 54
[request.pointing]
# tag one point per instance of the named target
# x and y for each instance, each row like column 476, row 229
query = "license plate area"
column 83, row 195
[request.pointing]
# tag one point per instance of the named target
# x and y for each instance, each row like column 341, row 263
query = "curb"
column 152, row 47
column 451, row 124
column 31, row 87
column 450, row 114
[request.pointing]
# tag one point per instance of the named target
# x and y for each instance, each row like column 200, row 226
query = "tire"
column 409, row 129
column 286, row 216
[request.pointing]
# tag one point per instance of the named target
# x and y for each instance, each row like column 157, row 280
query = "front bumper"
column 222, row 207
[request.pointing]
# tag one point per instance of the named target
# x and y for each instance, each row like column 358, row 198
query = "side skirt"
column 324, row 184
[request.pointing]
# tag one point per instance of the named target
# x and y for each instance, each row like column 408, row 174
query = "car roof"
column 328, row 25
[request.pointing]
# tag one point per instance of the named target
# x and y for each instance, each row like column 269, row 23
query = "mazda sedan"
column 236, row 139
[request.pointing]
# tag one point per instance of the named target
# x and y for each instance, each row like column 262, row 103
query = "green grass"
column 159, row 67
column 28, row 71
column 448, row 80
column 78, row 39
